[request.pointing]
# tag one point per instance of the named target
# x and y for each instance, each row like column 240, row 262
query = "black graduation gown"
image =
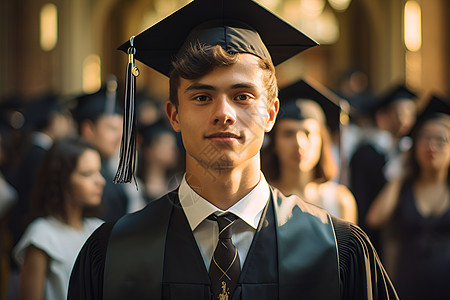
column 366, row 181
column 114, row 200
column 358, row 274
column 423, row 261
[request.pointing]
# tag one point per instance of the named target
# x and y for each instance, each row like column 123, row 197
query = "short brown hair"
column 199, row 60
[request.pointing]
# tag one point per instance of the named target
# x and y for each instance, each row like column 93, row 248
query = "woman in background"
column 159, row 158
column 68, row 183
column 299, row 160
column 416, row 211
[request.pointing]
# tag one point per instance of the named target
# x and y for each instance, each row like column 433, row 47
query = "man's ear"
column 172, row 114
column 273, row 112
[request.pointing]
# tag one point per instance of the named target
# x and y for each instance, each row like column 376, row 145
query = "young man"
column 225, row 233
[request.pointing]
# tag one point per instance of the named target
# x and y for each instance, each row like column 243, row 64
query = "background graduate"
column 298, row 158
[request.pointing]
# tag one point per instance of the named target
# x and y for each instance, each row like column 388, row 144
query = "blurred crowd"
column 377, row 159
column 42, row 146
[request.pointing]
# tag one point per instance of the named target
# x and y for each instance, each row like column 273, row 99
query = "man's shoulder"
column 154, row 212
column 288, row 206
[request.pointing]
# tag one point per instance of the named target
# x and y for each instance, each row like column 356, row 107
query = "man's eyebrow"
column 244, row 85
column 202, row 86
column 199, row 86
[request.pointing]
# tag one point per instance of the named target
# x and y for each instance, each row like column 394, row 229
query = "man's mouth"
column 223, row 136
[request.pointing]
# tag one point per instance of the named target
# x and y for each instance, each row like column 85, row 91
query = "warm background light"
column 49, row 26
column 412, row 26
column 92, row 80
column 339, row 5
column 314, row 18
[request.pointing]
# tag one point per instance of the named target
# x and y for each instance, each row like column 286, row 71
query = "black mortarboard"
column 396, row 93
column 435, row 107
column 102, row 102
column 295, row 103
column 238, row 26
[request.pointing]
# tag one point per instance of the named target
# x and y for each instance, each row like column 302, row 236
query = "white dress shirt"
column 206, row 232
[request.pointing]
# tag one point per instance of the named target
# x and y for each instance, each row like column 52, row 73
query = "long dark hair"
column 49, row 194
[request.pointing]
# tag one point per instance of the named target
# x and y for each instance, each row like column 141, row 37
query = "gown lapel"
column 307, row 253
column 259, row 276
column 185, row 275
column 135, row 254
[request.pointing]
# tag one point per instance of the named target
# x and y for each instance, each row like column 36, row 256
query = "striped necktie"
column 225, row 265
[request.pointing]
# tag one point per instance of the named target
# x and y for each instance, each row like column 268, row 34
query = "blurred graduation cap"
column 39, row 111
column 435, row 108
column 303, row 100
column 396, row 93
column 238, row 26
column 102, row 102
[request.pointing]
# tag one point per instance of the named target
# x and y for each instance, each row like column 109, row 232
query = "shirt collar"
column 249, row 208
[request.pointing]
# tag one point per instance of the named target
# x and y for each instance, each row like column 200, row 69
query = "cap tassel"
column 127, row 163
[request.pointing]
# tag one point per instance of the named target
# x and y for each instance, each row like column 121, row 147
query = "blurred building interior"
column 69, row 46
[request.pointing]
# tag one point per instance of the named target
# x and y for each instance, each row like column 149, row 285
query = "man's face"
column 106, row 134
column 223, row 115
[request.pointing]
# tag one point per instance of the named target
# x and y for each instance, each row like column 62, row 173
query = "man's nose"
column 224, row 112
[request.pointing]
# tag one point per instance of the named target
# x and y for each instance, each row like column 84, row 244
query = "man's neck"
column 223, row 187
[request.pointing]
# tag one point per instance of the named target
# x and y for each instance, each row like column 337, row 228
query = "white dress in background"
column 62, row 243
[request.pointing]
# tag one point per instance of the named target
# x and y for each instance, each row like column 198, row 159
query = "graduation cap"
column 103, row 102
column 238, row 26
column 436, row 107
column 39, row 111
column 396, row 93
column 303, row 100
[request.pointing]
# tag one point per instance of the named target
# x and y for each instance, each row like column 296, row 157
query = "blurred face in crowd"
column 64, row 125
column 298, row 143
column 432, row 146
column 86, row 181
column 105, row 134
column 163, row 150
column 401, row 115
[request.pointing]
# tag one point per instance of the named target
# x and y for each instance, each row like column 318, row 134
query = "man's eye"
column 202, row 98
column 242, row 97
